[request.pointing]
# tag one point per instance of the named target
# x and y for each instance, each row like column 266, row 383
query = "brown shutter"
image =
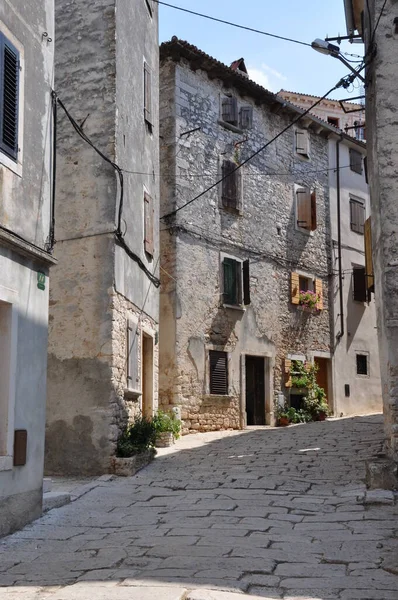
column 218, row 372
column 288, row 375
column 302, row 142
column 147, row 94
column 246, row 282
column 369, row 255
column 359, row 284
column 357, row 216
column 230, row 184
column 313, row 211
column 295, row 288
column 319, row 290
column 230, row 110
column 246, row 117
column 355, row 161
column 148, row 220
column 304, row 208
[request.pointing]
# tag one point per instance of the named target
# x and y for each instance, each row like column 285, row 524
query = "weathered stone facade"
column 382, row 140
column 194, row 318
column 98, row 287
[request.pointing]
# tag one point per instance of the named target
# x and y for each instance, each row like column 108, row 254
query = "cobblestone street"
column 272, row 513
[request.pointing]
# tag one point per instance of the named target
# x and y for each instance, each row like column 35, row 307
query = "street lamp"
column 325, row 47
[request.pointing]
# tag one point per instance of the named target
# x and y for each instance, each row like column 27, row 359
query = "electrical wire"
column 197, row 14
column 118, row 232
column 341, row 83
column 377, row 23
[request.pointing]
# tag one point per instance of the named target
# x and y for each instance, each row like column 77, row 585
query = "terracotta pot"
column 321, row 416
column 283, row 421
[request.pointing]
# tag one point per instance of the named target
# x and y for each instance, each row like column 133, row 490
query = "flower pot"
column 164, row 439
column 321, row 416
column 127, row 467
column 283, row 421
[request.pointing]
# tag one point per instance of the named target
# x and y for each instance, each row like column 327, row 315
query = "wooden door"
column 255, row 390
column 322, row 378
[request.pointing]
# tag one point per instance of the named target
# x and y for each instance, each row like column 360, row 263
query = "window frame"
column 227, row 375
column 238, row 177
column 367, row 356
column 359, row 294
column 15, row 165
column 242, row 283
column 148, row 103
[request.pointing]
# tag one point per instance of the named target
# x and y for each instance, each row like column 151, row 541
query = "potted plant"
column 309, row 300
column 283, row 419
column 135, row 447
column 167, row 428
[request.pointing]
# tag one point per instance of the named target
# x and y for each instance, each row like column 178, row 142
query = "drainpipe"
column 341, row 332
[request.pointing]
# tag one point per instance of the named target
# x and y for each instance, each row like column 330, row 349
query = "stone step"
column 47, row 484
column 55, row 500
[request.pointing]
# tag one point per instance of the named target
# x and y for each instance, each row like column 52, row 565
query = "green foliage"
column 136, row 438
column 167, row 422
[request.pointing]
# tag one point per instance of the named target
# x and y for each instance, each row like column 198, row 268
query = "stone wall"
column 382, row 139
column 265, row 233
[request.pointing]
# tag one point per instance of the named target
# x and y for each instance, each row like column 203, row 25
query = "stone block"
column 127, row 467
column 382, row 473
column 379, row 497
column 54, row 500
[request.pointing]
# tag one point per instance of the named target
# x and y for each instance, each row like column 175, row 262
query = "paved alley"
column 272, row 513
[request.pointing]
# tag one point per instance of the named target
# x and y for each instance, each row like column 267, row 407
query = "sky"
column 273, row 63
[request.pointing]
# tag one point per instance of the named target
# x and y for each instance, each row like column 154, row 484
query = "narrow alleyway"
column 273, row 513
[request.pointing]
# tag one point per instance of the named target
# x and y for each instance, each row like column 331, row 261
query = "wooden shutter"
column 365, row 166
column 147, row 94
column 288, row 375
column 313, row 211
column 133, row 378
column 232, row 282
column 355, row 161
column 246, row 282
column 369, row 255
column 230, row 185
column 148, row 223
column 218, row 372
column 230, row 110
column 9, row 93
column 246, row 117
column 295, row 288
column 319, row 291
column 304, row 208
column 302, row 142
column 357, row 216
column 359, row 284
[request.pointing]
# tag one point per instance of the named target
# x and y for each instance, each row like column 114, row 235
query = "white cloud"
column 266, row 76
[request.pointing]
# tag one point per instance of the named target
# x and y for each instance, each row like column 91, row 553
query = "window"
column 369, row 256
column 359, row 284
column 306, row 209
column 305, row 283
column 231, row 185
column 9, row 97
column 236, row 282
column 355, row 161
column 148, row 224
column 229, row 110
column 218, row 372
column 360, row 130
column 133, row 373
column 362, row 364
column 149, row 6
column 246, row 117
column 302, row 142
column 8, row 357
column 357, row 216
column 147, row 95
column 334, row 121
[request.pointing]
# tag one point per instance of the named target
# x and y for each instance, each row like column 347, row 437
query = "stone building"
column 348, row 116
column 376, row 22
column 26, row 70
column 233, row 262
column 103, row 351
column 356, row 368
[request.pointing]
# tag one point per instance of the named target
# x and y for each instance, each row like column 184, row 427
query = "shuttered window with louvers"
column 9, row 92
column 357, row 216
column 229, row 111
column 218, row 373
column 230, row 191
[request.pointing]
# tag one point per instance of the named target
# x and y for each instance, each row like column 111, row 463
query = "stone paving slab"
column 264, row 513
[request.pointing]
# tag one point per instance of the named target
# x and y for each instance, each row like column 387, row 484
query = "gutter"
column 341, row 332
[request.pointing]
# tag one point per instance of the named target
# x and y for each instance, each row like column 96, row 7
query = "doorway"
column 255, row 390
column 147, row 375
column 322, row 376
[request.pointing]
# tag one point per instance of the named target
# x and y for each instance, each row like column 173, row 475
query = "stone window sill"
column 235, row 307
column 217, row 397
column 230, row 127
column 132, row 394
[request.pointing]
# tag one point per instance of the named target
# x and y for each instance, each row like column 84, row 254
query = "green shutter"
column 230, row 281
